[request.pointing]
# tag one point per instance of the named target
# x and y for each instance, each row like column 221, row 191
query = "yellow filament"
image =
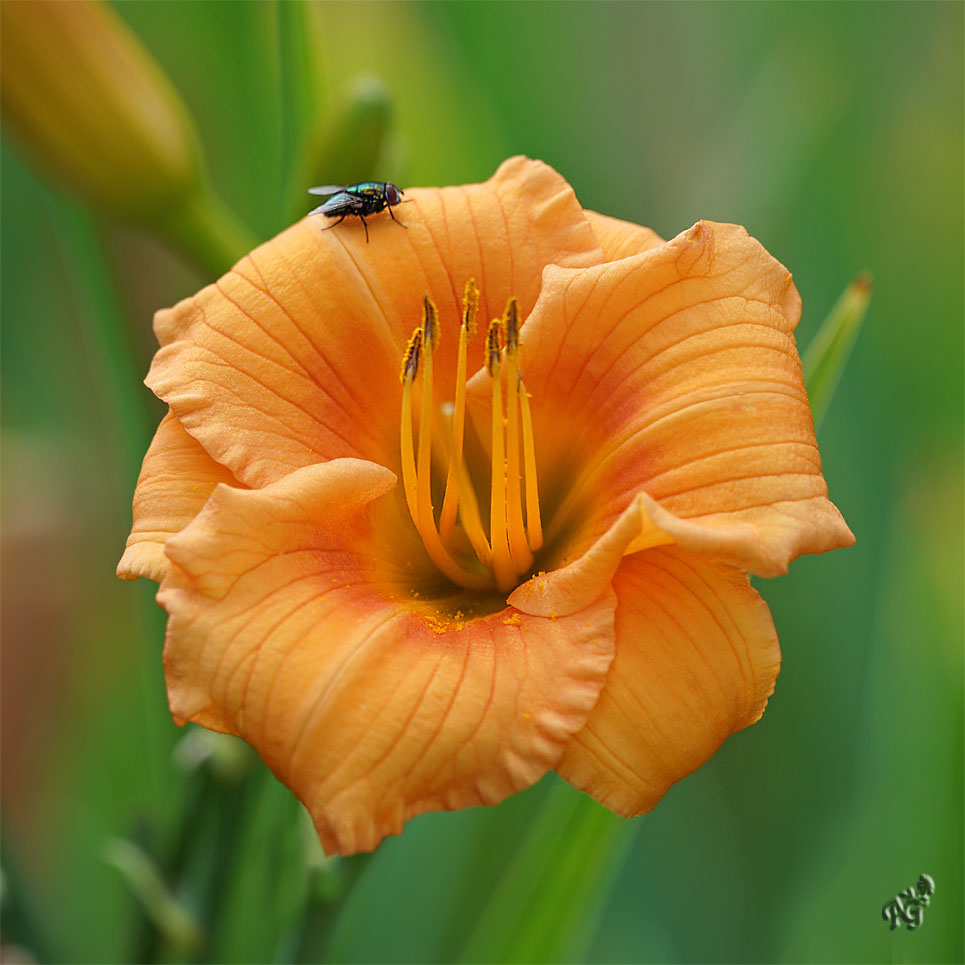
column 518, row 547
column 503, row 568
column 450, row 502
column 468, row 504
column 410, row 368
column 471, row 520
column 534, row 525
column 408, row 457
column 425, row 520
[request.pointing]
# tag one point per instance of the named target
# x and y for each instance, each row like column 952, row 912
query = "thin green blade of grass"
column 826, row 357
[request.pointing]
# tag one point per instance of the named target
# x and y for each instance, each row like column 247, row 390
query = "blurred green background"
column 834, row 132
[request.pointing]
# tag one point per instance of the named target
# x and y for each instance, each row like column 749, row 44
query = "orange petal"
column 621, row 239
column 675, row 373
column 177, row 477
column 642, row 525
column 294, row 356
column 291, row 626
column 696, row 659
column 573, row 585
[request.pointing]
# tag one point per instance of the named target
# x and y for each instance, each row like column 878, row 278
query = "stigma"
column 471, row 551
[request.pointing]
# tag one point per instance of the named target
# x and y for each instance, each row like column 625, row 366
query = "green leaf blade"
column 826, row 357
column 548, row 906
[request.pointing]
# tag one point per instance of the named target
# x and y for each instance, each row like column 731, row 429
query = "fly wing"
column 339, row 204
column 327, row 189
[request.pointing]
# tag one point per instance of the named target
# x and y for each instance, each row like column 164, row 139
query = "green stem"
column 227, row 805
column 111, row 353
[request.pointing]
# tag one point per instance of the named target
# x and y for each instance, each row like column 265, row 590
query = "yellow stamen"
column 470, row 303
column 534, row 525
column 503, row 567
column 518, row 547
column 429, row 341
column 471, row 520
column 410, row 368
column 468, row 504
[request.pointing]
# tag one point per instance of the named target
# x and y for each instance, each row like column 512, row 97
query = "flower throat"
column 500, row 558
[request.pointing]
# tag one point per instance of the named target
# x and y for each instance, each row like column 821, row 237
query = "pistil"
column 470, row 304
column 534, row 523
column 410, row 368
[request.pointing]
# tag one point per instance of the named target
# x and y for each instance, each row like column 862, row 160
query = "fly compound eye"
column 392, row 194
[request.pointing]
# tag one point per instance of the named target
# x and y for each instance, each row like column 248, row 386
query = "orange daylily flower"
column 394, row 625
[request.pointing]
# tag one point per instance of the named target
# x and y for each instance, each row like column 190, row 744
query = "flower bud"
column 346, row 144
column 92, row 106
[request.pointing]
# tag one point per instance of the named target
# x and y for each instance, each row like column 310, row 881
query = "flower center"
column 458, row 543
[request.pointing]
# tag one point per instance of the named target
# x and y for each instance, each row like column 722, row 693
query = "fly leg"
column 395, row 219
column 366, row 226
column 337, row 223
